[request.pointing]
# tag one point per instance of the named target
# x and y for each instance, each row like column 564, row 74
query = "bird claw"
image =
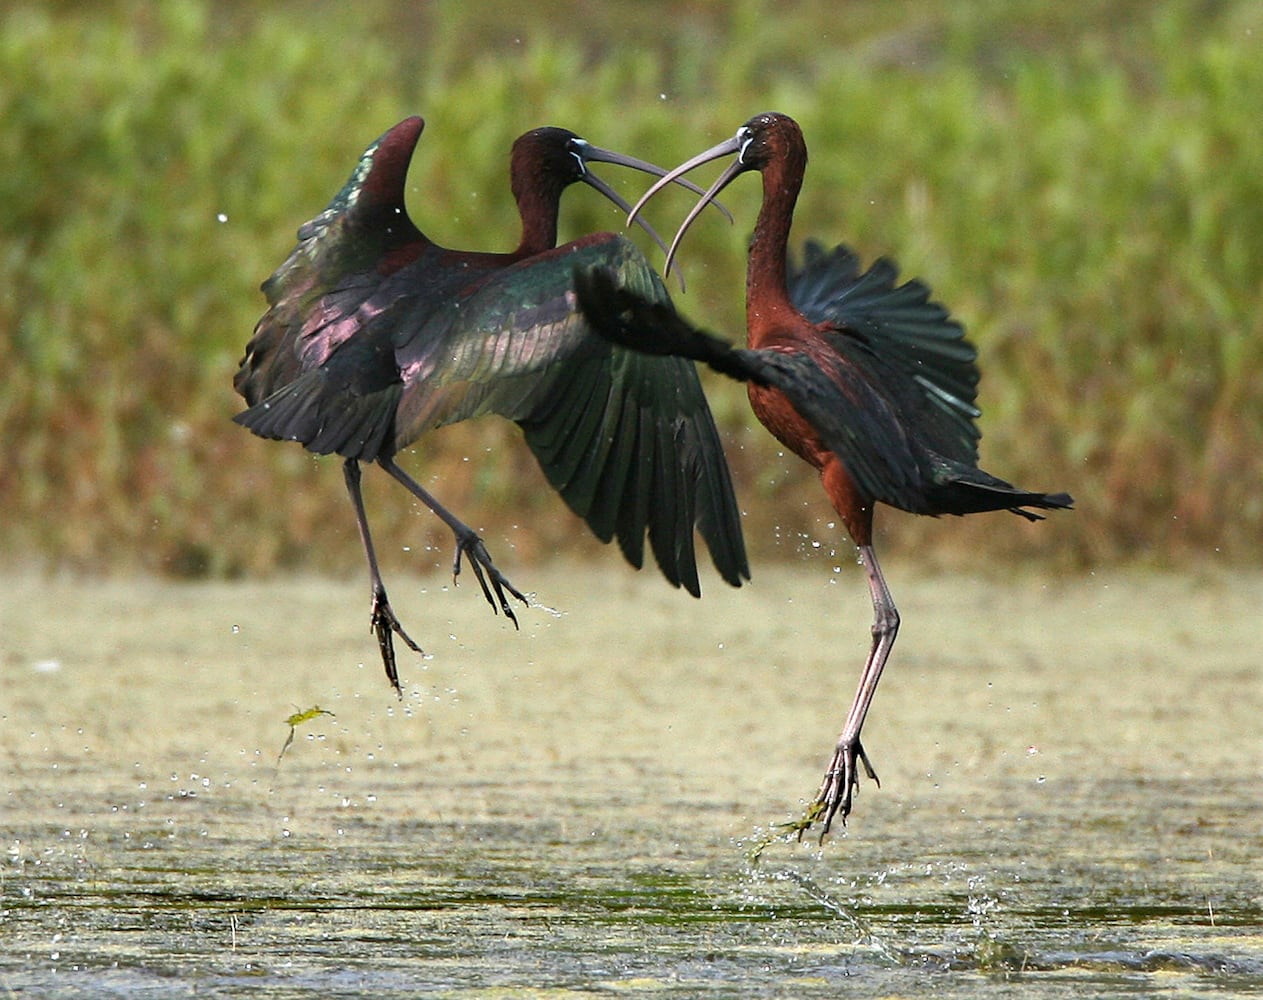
column 471, row 545
column 386, row 626
column 840, row 784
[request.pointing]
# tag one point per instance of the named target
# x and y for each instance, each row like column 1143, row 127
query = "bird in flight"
column 869, row 381
column 374, row 335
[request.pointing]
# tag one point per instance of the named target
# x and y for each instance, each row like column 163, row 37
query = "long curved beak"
column 596, row 154
column 593, row 181
column 734, row 169
column 591, row 153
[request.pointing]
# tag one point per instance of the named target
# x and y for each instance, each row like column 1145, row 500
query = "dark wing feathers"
column 853, row 419
column 631, row 514
column 627, row 440
column 913, row 335
column 374, row 335
column 856, row 419
column 345, row 405
column 314, row 371
column 603, row 505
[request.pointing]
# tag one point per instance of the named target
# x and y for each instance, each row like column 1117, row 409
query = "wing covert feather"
column 915, row 337
column 626, row 439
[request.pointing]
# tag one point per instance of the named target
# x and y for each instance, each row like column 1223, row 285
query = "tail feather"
column 1045, row 501
column 962, row 489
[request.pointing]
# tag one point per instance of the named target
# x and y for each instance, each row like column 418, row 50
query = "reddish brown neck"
column 767, row 294
column 538, row 199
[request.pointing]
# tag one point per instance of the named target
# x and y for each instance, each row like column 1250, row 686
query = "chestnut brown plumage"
column 870, row 382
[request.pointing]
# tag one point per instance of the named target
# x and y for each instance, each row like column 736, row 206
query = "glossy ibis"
column 869, row 381
column 375, row 334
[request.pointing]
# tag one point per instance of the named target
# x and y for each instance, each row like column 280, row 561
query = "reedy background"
column 1082, row 184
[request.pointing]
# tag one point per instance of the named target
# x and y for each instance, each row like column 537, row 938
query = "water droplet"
column 222, row 217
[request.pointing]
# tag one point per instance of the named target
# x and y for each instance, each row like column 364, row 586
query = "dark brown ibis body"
column 870, row 382
column 375, row 335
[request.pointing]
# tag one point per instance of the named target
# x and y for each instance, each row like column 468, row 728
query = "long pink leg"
column 842, row 779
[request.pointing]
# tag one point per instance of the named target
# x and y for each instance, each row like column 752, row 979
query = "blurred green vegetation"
column 1082, row 183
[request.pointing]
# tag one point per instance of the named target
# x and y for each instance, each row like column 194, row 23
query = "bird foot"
column 841, row 781
column 469, row 544
column 386, row 626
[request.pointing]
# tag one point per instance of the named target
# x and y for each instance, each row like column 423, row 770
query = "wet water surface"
column 1071, row 799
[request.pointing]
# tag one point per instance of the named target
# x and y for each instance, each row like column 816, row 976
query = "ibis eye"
column 745, row 137
column 576, row 148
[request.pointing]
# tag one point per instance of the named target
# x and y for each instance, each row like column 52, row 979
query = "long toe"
column 504, row 602
column 386, row 626
column 386, row 645
column 835, row 794
column 841, row 782
column 480, row 559
column 503, row 581
column 836, row 802
column 868, row 766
